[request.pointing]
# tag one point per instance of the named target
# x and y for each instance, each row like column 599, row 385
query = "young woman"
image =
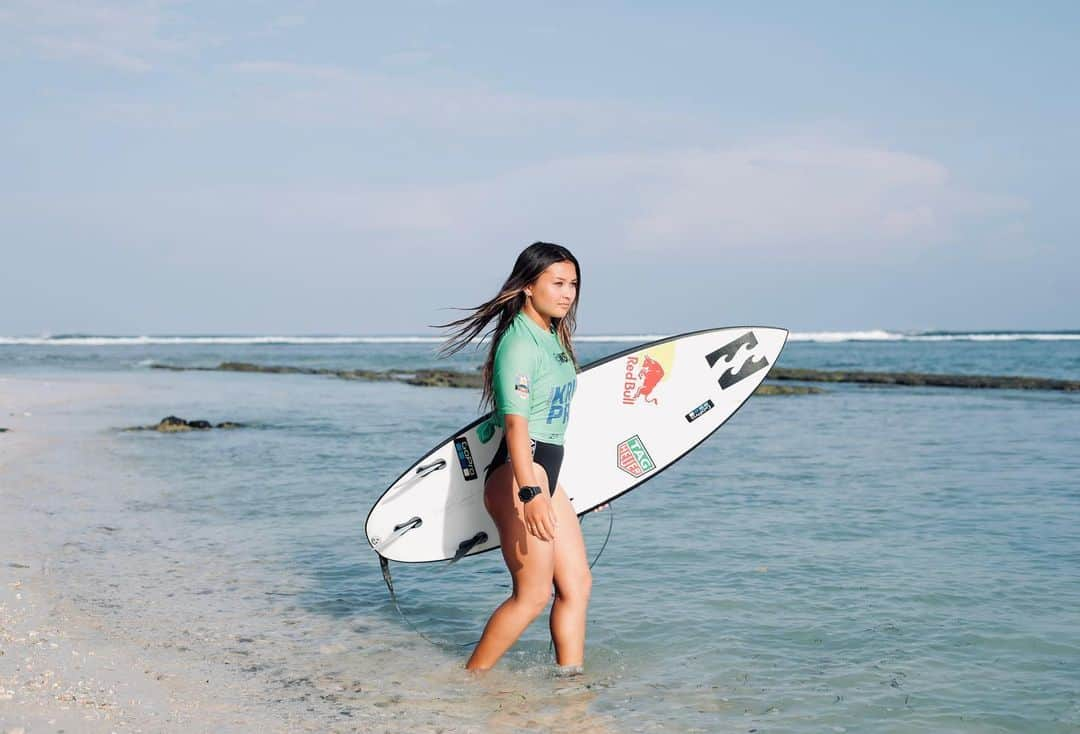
column 529, row 377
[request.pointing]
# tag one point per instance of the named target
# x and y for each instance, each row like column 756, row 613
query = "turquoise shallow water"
column 885, row 559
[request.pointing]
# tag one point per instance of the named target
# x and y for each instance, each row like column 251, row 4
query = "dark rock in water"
column 283, row 370
column 765, row 389
column 173, row 424
column 3, row 430
column 429, row 378
column 445, row 378
column 423, row 378
column 473, row 379
column 248, row 367
column 920, row 379
column 372, row 375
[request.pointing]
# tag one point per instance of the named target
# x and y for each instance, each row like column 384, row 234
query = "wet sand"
column 86, row 646
column 60, row 670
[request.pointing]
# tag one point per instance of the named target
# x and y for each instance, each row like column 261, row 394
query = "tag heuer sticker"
column 634, row 458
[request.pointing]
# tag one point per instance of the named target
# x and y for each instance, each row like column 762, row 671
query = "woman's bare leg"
column 573, row 584
column 530, row 561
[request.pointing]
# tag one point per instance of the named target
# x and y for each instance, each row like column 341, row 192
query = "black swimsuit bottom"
column 547, row 455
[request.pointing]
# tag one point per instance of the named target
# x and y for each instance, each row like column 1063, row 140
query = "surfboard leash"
column 384, row 564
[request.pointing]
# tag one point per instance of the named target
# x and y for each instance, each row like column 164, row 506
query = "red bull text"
column 640, row 384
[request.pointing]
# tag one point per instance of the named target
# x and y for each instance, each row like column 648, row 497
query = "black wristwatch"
column 527, row 493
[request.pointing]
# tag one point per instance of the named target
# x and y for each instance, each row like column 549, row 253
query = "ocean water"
column 870, row 559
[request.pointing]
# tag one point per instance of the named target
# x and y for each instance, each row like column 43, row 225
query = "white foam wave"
column 874, row 335
column 804, row 336
column 1021, row 336
column 882, row 335
column 129, row 341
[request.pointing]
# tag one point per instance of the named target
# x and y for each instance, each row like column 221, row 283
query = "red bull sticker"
column 634, row 458
column 644, row 373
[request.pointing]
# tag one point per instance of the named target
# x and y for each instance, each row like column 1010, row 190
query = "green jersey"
column 534, row 377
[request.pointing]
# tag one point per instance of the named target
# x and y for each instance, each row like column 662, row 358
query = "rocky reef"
column 920, row 379
column 425, row 378
column 766, row 389
column 456, row 378
column 173, row 424
column 422, row 378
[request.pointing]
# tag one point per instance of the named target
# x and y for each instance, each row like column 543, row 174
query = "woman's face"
column 555, row 290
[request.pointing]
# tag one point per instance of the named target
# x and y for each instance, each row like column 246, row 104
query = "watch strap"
column 529, row 491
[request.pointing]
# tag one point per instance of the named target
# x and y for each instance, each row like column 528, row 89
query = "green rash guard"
column 533, row 376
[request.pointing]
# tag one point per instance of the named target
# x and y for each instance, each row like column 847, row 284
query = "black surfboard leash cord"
column 384, row 564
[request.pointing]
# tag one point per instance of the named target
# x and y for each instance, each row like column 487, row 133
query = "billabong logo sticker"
column 634, row 458
column 521, row 386
column 728, row 352
column 464, row 455
column 645, row 371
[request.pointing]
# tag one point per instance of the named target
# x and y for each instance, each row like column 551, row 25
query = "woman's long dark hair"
column 510, row 299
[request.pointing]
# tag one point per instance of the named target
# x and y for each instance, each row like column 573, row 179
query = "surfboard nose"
column 772, row 340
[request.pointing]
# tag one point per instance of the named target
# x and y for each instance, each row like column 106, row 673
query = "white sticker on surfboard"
column 633, row 414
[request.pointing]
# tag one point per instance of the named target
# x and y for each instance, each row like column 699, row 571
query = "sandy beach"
column 60, row 669
column 89, row 647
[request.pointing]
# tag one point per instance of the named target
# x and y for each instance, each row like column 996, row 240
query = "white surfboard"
column 633, row 415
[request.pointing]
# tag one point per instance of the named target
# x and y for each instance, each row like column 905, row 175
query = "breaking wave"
column 870, row 335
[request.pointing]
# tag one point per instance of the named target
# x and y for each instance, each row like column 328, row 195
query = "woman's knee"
column 579, row 588
column 534, row 600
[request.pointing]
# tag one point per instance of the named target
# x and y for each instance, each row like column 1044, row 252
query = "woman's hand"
column 540, row 517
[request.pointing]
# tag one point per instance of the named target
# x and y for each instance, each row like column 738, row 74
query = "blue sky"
column 270, row 167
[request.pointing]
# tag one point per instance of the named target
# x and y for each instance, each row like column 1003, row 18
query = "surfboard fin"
column 426, row 469
column 399, row 530
column 467, row 545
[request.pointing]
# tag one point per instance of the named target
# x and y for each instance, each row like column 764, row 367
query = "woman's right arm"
column 539, row 515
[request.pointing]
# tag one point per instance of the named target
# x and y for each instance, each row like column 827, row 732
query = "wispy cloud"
column 335, row 96
column 96, row 53
column 127, row 35
column 286, row 21
column 780, row 196
column 407, row 58
column 294, row 70
column 267, row 93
